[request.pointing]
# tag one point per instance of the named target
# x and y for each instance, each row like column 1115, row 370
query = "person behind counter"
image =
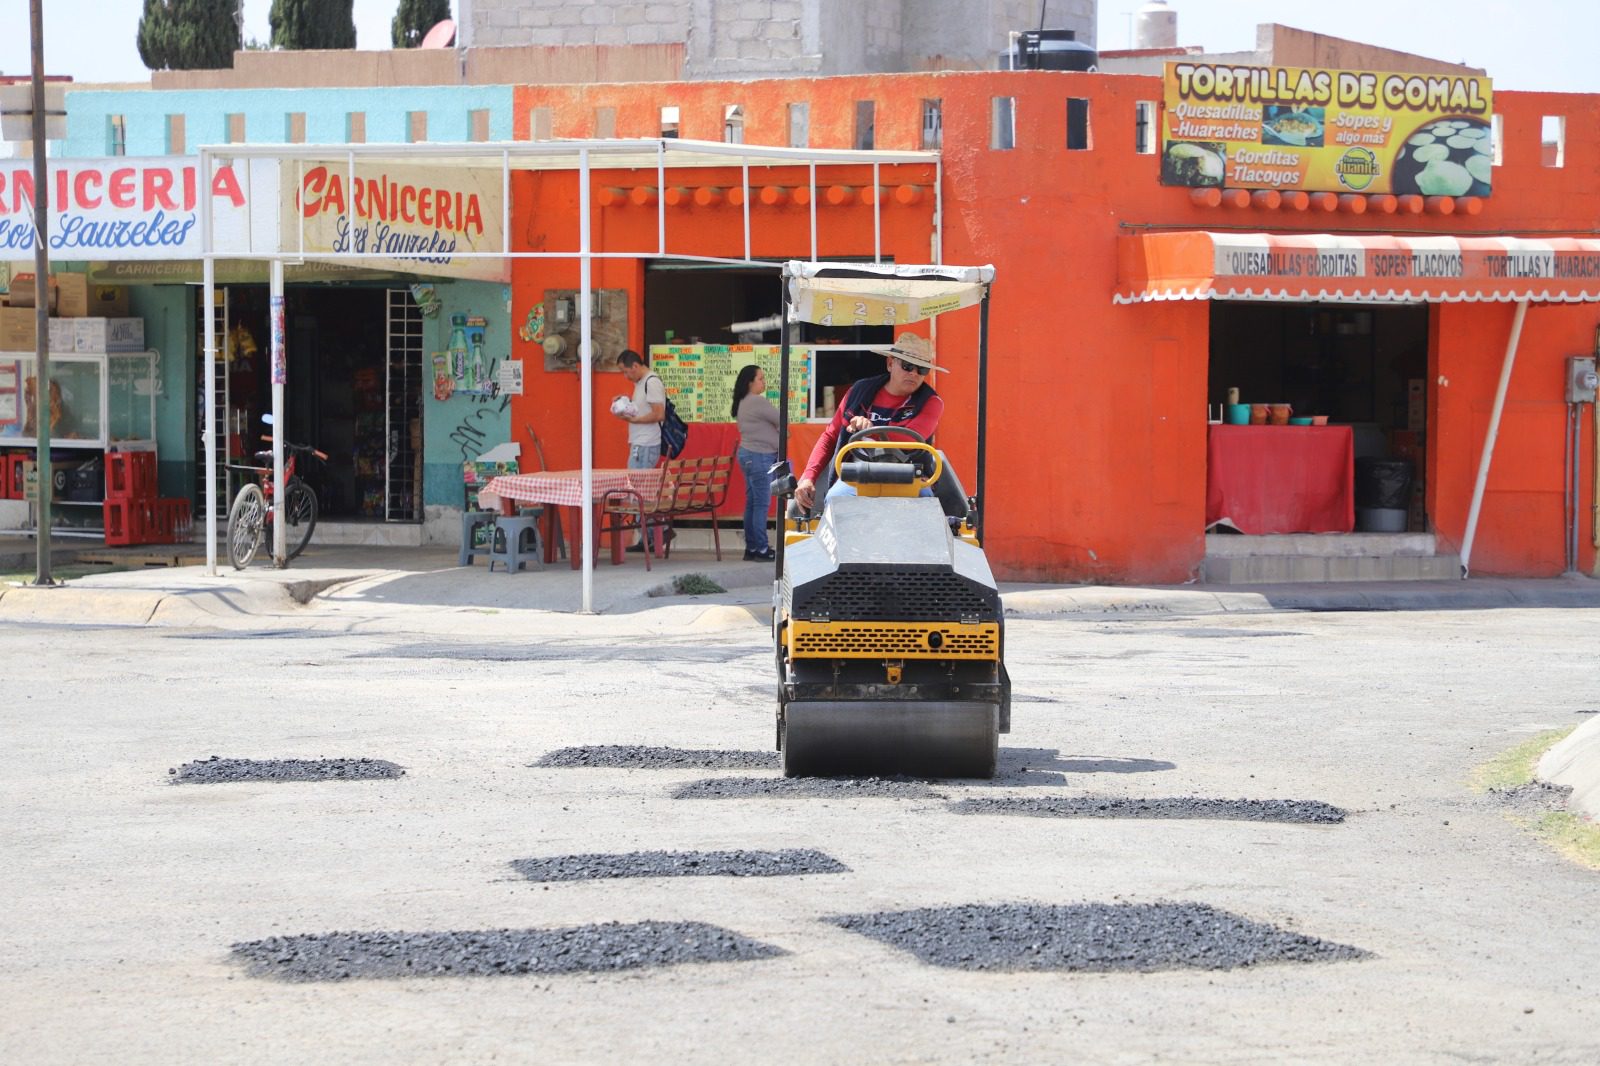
column 758, row 451
column 900, row 397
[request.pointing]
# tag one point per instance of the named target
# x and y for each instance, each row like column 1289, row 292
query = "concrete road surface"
column 121, row 893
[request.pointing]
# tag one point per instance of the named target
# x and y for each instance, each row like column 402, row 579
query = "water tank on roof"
column 1155, row 26
column 1049, row 50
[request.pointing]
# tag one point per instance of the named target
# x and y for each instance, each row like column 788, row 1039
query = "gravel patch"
column 804, row 788
column 639, row 757
column 603, row 948
column 1309, row 812
column 217, row 770
column 1535, row 796
column 791, row 861
column 1095, row 937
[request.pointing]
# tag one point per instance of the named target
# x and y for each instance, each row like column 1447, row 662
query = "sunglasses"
column 912, row 368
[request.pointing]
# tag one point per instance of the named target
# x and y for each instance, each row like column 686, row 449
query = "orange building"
column 1101, row 383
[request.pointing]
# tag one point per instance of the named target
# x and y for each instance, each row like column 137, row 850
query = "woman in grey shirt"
column 758, row 451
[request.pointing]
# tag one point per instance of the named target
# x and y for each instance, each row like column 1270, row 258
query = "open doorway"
column 1354, row 364
column 353, row 391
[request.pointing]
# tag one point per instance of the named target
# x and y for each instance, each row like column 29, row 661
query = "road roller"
column 888, row 630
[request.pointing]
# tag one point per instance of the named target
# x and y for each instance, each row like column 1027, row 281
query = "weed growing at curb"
column 695, row 585
column 1514, row 768
column 1571, row 835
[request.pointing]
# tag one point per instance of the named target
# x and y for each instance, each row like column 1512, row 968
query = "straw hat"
column 913, row 349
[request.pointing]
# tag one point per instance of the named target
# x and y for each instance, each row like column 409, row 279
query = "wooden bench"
column 689, row 488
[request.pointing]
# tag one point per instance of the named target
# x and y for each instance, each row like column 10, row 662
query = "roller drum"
column 867, row 738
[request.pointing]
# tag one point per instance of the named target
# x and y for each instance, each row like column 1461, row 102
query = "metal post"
column 1489, row 438
column 586, row 381
column 41, row 296
column 280, row 535
column 983, row 406
column 208, row 293
column 783, row 391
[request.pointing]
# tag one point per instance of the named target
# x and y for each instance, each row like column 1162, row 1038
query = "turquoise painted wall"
column 266, row 115
column 168, row 313
column 462, row 427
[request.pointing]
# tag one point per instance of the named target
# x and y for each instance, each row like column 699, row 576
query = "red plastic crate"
column 126, row 521
column 130, row 475
column 11, row 476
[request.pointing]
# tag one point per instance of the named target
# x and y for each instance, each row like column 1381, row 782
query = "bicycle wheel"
column 299, row 515
column 246, row 518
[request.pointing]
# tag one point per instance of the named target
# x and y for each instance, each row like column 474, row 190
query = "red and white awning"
column 1348, row 268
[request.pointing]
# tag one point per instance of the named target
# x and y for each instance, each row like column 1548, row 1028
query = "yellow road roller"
column 888, row 630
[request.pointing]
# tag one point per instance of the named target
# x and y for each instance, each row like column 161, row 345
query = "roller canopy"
column 1355, row 268
column 865, row 294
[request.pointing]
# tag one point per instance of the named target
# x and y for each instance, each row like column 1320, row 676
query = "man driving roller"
column 900, row 397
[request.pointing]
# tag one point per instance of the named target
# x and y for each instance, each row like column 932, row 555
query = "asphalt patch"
column 1092, row 937
column 1307, row 812
column 804, row 788
column 603, row 948
column 217, row 770
column 784, row 863
column 556, row 652
column 639, row 757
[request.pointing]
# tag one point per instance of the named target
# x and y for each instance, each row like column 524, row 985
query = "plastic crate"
column 130, row 475
column 126, row 521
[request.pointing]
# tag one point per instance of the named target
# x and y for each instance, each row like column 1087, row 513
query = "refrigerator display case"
column 98, row 400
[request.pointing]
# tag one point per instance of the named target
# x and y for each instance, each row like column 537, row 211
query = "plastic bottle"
column 458, row 346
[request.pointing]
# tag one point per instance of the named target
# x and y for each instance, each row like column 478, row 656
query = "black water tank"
column 1050, row 50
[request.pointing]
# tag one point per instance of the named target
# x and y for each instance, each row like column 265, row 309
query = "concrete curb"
column 1575, row 764
column 1476, row 594
column 77, row 606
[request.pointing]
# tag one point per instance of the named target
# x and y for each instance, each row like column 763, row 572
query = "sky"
column 1541, row 45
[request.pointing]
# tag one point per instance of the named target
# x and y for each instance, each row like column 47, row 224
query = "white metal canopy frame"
column 582, row 157
column 913, row 293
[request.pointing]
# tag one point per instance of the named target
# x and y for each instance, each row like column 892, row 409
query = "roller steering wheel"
column 920, row 461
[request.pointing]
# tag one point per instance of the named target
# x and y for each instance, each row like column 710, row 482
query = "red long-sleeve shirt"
column 885, row 405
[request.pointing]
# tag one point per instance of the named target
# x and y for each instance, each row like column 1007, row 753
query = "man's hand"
column 805, row 493
column 858, row 423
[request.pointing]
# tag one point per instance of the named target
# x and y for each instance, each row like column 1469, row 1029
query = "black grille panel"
column 891, row 596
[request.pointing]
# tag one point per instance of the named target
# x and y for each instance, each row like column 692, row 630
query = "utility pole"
column 41, row 294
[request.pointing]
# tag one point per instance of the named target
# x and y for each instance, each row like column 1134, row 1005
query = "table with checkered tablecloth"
column 564, row 488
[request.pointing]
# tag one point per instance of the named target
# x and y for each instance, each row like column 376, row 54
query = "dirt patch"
column 785, row 863
column 1096, row 937
column 217, row 770
column 602, row 948
column 1311, row 812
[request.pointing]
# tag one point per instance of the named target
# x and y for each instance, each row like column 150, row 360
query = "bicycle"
column 250, row 516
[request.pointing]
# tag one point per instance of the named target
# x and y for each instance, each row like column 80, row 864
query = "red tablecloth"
column 1281, row 479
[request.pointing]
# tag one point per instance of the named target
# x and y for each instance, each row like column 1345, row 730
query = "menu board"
column 1292, row 128
column 699, row 377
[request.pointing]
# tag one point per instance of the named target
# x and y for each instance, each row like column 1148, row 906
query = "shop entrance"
column 693, row 303
column 354, row 391
column 1356, row 365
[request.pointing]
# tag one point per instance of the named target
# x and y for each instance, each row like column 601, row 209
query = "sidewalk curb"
column 1575, row 764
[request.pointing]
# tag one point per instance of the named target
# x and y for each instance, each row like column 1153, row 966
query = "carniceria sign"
column 1312, row 130
column 415, row 219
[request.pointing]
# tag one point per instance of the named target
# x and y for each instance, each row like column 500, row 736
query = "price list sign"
column 699, row 378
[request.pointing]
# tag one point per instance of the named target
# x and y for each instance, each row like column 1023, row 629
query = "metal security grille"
column 403, row 418
column 219, row 318
column 835, row 641
column 896, row 596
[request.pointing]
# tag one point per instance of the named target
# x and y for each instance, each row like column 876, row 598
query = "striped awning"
column 1347, row 268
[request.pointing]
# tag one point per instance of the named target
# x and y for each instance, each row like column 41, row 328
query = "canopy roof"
column 1355, row 268
column 866, row 294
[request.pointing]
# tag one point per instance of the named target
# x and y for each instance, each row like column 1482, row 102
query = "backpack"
column 674, row 434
